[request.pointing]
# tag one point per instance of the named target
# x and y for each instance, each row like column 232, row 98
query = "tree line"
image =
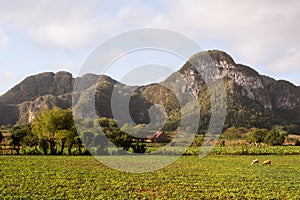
column 53, row 132
column 276, row 136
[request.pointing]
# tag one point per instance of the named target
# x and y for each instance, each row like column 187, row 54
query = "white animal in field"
column 267, row 162
column 256, row 161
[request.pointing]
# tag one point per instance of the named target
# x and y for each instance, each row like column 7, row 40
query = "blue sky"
column 41, row 35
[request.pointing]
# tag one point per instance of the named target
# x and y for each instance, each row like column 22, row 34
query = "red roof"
column 159, row 136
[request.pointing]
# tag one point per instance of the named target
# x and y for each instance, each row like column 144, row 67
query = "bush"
column 100, row 151
column 257, row 135
column 275, row 137
column 138, row 147
column 222, row 143
column 198, row 141
column 234, row 133
column 123, row 141
column 297, row 143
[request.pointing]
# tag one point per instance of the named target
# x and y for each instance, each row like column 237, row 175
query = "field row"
column 190, row 177
column 237, row 150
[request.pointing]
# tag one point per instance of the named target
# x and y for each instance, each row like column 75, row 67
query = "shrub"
column 234, row 133
column 138, row 147
column 123, row 141
column 257, row 135
column 275, row 137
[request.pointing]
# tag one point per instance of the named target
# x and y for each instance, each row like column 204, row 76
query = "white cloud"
column 258, row 33
column 68, row 66
column 69, row 36
column 65, row 24
column 8, row 79
column 287, row 61
column 3, row 39
column 9, row 75
column 74, row 25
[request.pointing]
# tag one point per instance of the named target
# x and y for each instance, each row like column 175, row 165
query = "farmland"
column 190, row 177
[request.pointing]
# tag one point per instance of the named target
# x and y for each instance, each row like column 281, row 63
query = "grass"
column 237, row 150
column 190, row 177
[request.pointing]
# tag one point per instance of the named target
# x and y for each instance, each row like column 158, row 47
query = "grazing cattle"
column 256, row 161
column 267, row 162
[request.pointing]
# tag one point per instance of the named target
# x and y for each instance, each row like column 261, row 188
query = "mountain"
column 252, row 99
column 48, row 90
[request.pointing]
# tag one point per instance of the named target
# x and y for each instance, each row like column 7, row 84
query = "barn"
column 159, row 136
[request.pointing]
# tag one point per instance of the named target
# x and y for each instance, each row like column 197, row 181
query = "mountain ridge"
column 250, row 96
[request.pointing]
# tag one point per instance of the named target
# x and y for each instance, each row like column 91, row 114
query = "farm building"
column 159, row 136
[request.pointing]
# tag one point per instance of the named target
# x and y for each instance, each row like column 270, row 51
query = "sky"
column 41, row 35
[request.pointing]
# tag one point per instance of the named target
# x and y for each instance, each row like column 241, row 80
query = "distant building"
column 159, row 136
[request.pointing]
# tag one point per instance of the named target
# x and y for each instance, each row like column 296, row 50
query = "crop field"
column 190, row 177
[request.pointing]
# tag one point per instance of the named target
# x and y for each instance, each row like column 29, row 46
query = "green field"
column 190, row 177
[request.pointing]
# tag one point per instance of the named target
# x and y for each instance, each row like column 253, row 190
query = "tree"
column 104, row 122
column 109, row 127
column 101, row 142
column 71, row 140
column 18, row 134
column 276, row 136
column 123, row 140
column 138, row 131
column 1, row 137
column 234, row 133
column 48, row 124
column 87, row 139
column 293, row 129
column 79, row 144
column 31, row 140
column 44, row 144
column 257, row 135
column 66, row 138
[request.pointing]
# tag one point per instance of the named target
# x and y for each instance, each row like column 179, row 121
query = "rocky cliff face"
column 252, row 99
column 271, row 94
column 261, row 99
column 280, row 99
column 39, row 85
column 45, row 90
